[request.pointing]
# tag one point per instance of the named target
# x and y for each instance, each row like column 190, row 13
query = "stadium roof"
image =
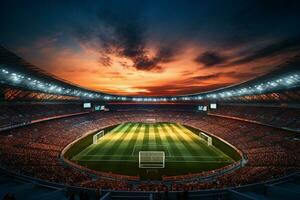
column 15, row 71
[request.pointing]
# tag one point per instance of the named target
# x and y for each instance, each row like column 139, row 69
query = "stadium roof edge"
column 20, row 65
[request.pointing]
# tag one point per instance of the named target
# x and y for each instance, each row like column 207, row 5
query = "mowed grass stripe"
column 132, row 142
column 104, row 144
column 139, row 142
column 196, row 139
column 192, row 141
column 114, row 143
column 114, row 148
column 164, row 140
column 194, row 147
column 118, row 150
column 200, row 142
column 175, row 137
column 105, row 140
column 183, row 145
column 126, row 142
column 171, row 142
column 152, row 140
column 146, row 145
column 157, row 135
column 210, row 150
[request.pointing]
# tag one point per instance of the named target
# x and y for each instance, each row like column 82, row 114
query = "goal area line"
column 172, row 161
column 165, row 148
column 115, row 155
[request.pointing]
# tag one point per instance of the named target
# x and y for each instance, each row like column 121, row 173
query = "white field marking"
column 169, row 153
column 163, row 138
column 200, row 161
column 165, row 147
column 178, row 161
column 116, row 155
column 186, row 131
column 140, row 138
column 117, row 134
column 175, row 138
column 104, row 160
column 192, row 134
column 151, row 133
column 178, row 136
column 113, row 134
column 112, row 137
column 153, row 138
column 126, row 140
column 133, row 151
column 107, row 136
column 157, row 136
column 187, row 137
column 100, row 158
column 215, row 149
column 150, row 144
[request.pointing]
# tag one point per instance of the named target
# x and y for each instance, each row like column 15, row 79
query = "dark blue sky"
column 201, row 44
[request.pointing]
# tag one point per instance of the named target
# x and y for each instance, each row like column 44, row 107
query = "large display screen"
column 99, row 107
column 87, row 105
column 213, row 106
column 202, row 108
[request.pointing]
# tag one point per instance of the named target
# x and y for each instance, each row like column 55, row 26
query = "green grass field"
column 118, row 150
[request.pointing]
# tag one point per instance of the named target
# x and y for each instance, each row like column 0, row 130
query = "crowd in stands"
column 12, row 115
column 276, row 116
column 34, row 150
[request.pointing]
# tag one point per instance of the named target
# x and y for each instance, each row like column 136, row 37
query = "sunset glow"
column 146, row 50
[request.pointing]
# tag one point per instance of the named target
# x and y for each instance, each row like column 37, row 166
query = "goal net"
column 151, row 159
column 206, row 138
column 97, row 136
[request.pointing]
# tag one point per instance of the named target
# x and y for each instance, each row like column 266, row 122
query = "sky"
column 152, row 48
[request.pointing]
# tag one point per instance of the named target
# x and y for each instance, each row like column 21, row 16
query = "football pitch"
column 185, row 152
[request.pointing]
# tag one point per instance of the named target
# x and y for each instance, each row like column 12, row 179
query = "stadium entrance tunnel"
column 152, row 151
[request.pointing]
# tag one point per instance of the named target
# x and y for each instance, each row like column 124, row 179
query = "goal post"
column 152, row 159
column 97, row 136
column 150, row 120
column 206, row 138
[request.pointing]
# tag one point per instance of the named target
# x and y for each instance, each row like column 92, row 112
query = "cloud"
column 231, row 74
column 196, row 84
column 287, row 46
column 124, row 35
column 171, row 89
column 207, row 77
column 210, row 58
column 126, row 41
column 280, row 47
column 164, row 54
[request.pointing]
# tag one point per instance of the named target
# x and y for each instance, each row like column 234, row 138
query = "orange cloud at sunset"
column 154, row 48
column 181, row 76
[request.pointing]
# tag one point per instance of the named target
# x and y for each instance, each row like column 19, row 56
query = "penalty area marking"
column 178, row 161
column 206, row 159
column 152, row 144
column 115, row 155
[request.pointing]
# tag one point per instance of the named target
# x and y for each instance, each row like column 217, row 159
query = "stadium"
column 61, row 137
